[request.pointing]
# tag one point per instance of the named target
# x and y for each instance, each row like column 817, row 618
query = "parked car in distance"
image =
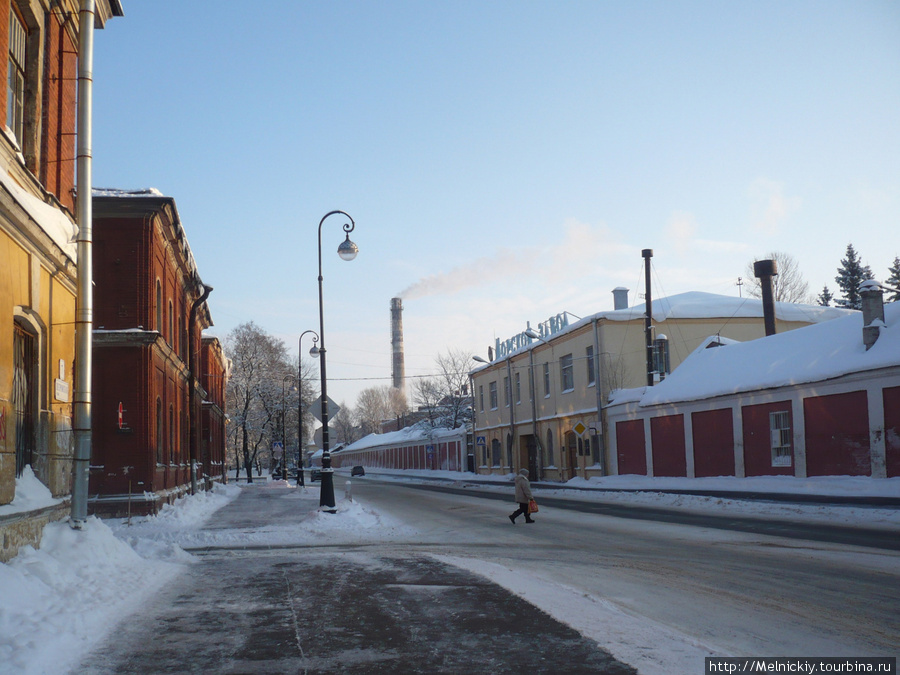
column 315, row 474
column 357, row 471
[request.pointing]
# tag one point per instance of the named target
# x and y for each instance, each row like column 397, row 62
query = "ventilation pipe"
column 764, row 270
column 872, row 294
column 647, row 253
column 398, row 370
column 620, row 298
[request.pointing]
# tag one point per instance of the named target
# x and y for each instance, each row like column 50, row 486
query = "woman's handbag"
column 532, row 506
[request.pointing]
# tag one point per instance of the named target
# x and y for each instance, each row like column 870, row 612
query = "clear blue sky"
column 504, row 161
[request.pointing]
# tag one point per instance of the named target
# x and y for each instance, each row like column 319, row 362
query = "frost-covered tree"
column 789, row 283
column 850, row 275
column 345, row 430
column 893, row 281
column 258, row 394
column 374, row 405
column 825, row 297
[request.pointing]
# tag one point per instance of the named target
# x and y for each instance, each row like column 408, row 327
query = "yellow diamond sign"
column 580, row 428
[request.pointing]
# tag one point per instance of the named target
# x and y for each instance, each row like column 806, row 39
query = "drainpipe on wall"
column 192, row 387
column 84, row 306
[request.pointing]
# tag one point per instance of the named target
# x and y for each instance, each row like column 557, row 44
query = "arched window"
column 171, row 434
column 160, row 457
column 549, row 458
column 496, row 451
column 159, row 307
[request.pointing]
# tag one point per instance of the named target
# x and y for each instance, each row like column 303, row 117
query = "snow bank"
column 31, row 494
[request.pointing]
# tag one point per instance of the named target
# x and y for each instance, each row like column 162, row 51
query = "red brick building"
column 214, row 376
column 146, row 283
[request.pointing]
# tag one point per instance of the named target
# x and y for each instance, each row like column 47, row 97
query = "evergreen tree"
column 850, row 275
column 825, row 297
column 893, row 281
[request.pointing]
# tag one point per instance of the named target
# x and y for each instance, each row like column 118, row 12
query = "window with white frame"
column 492, row 389
column 566, row 373
column 15, row 77
column 591, row 374
column 518, row 386
column 546, row 380
column 481, row 397
column 506, row 391
column 780, row 428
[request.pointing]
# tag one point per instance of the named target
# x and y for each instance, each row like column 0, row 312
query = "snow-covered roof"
column 810, row 354
column 115, row 192
column 51, row 219
column 413, row 434
column 699, row 305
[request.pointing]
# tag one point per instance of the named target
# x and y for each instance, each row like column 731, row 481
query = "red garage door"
column 713, row 434
column 630, row 447
column 837, row 435
column 667, row 439
column 768, row 439
column 892, row 430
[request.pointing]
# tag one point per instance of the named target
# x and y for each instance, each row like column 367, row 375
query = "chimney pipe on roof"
column 647, row 253
column 872, row 296
column 620, row 298
column 764, row 270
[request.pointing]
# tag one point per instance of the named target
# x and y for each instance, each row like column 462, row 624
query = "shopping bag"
column 532, row 506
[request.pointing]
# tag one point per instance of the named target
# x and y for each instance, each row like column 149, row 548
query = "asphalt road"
column 783, row 590
column 398, row 607
column 360, row 609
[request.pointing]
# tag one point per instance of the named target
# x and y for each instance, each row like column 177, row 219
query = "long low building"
column 539, row 402
column 820, row 401
column 416, row 447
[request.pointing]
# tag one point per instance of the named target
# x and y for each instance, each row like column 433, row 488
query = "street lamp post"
column 314, row 352
column 283, row 433
column 347, row 251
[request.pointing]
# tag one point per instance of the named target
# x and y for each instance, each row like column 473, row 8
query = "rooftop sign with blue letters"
column 549, row 327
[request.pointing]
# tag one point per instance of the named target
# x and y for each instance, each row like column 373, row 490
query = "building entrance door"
column 23, row 396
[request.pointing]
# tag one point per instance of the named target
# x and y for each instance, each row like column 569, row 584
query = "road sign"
column 480, row 440
column 277, row 449
column 579, row 428
column 316, row 409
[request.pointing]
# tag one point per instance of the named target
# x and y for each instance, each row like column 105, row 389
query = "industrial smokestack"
column 398, row 370
column 764, row 270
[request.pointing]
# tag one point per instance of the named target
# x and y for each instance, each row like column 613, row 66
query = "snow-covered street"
column 658, row 597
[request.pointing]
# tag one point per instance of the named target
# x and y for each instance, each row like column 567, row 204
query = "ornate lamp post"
column 286, row 378
column 347, row 251
column 314, row 352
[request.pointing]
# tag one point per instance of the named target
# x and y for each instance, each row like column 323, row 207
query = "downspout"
column 84, row 306
column 512, row 416
column 192, row 386
column 599, row 393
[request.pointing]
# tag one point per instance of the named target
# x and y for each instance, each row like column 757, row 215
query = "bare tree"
column 789, row 283
column 446, row 397
column 345, row 431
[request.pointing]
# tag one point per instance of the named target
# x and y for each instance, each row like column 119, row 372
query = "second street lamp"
column 284, row 477
column 347, row 250
column 315, row 354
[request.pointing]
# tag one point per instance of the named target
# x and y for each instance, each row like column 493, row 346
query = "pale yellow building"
column 538, row 403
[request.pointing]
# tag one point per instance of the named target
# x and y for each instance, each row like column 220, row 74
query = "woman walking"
column 523, row 496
